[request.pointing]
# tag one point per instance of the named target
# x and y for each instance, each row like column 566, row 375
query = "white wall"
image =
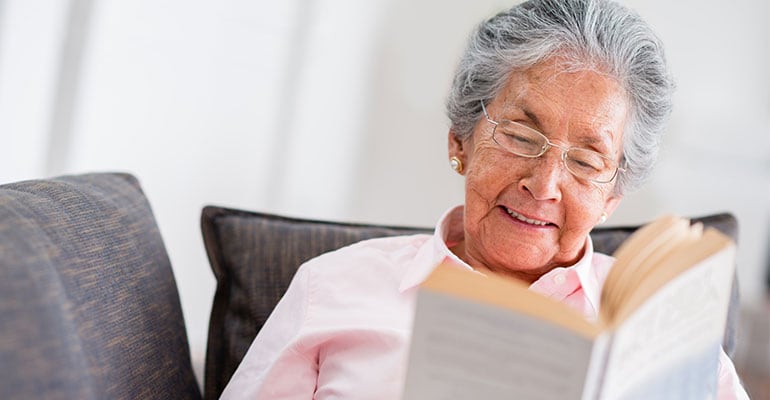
column 30, row 41
column 187, row 95
column 334, row 109
column 717, row 153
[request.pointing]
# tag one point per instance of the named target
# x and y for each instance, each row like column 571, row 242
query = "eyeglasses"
column 524, row 141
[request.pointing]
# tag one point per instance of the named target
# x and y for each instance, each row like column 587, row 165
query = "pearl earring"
column 603, row 218
column 456, row 164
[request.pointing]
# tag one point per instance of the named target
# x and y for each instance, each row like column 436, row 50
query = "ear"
column 456, row 146
column 612, row 202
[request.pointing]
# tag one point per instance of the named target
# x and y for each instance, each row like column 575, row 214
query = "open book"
column 658, row 334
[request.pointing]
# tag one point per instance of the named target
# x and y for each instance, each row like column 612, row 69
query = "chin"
column 536, row 260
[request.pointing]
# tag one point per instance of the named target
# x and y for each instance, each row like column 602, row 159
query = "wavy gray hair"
column 591, row 34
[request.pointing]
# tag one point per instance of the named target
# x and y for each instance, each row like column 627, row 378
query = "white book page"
column 595, row 375
column 463, row 349
column 669, row 347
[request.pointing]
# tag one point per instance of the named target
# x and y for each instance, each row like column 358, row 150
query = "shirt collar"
column 561, row 282
column 449, row 230
column 592, row 286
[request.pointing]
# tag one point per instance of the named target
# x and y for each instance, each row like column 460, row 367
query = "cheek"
column 488, row 177
column 583, row 212
column 490, row 170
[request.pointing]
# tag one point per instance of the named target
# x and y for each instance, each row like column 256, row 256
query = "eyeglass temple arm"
column 486, row 115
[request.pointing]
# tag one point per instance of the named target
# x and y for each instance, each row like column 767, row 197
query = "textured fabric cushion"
column 255, row 255
column 88, row 303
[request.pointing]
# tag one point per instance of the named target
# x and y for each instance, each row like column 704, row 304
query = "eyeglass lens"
column 524, row 141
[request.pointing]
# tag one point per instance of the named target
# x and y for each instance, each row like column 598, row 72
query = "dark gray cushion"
column 255, row 255
column 88, row 303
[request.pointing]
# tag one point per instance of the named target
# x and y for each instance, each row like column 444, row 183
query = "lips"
column 533, row 222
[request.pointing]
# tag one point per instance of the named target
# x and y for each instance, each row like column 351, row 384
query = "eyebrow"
column 585, row 140
column 532, row 116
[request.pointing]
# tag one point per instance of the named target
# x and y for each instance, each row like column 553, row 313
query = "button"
column 559, row 279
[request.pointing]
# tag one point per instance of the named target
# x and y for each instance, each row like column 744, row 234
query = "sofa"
column 89, row 307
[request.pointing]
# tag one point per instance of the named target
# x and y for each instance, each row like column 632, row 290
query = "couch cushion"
column 254, row 256
column 88, row 302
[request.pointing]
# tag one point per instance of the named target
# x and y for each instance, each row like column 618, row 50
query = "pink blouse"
column 342, row 330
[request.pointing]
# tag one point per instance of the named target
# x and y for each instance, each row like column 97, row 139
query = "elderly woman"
column 557, row 109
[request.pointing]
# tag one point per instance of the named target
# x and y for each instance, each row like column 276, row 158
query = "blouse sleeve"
column 276, row 366
column 729, row 385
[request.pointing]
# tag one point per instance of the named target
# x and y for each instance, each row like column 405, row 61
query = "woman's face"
column 503, row 190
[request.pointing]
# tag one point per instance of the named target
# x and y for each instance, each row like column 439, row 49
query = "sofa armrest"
column 89, row 307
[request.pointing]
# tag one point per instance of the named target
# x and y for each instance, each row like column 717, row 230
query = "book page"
column 464, row 349
column 687, row 253
column 637, row 255
column 669, row 346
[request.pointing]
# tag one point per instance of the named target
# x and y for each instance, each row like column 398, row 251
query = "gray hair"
column 591, row 34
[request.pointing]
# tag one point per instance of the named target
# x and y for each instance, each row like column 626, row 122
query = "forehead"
column 581, row 106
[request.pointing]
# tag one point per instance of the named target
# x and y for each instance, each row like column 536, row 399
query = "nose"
column 544, row 178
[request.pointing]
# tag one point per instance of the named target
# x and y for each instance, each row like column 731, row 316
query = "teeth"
column 525, row 219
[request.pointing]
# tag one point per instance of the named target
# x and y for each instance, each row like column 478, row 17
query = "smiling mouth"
column 524, row 219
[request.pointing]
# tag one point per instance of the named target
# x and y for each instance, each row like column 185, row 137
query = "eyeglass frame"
column 548, row 145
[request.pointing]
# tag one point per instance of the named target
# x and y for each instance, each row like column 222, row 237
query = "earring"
column 603, row 218
column 456, row 164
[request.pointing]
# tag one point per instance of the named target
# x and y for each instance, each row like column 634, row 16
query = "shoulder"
column 601, row 259
column 359, row 284
column 367, row 254
column 601, row 265
column 372, row 262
